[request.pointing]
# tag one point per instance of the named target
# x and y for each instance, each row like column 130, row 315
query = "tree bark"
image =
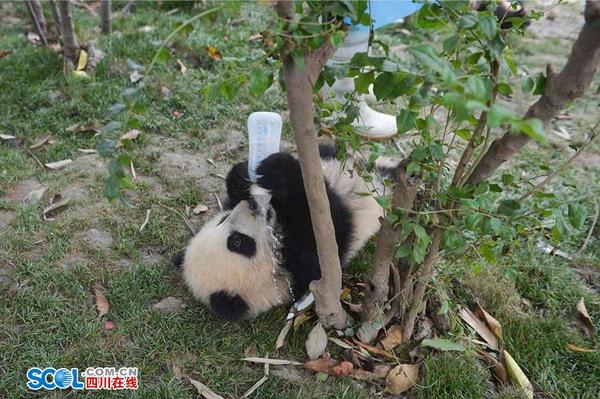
column 377, row 281
column 70, row 46
column 39, row 22
column 105, row 6
column 56, row 17
column 299, row 83
column 570, row 83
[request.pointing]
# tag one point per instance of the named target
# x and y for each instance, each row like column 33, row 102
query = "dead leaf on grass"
column 316, row 342
column 301, row 319
column 277, row 362
column 78, row 128
column 204, row 390
column 131, row 135
column 182, row 67
column 402, row 378
column 87, row 151
column 497, row 367
column 491, row 322
column 575, row 348
column 479, row 327
column 4, row 53
column 56, row 205
column 40, row 142
column 59, row 164
column 586, row 321
column 322, row 365
column 33, row 37
column 393, row 338
column 517, row 376
column 283, row 334
column 135, row 76
column 340, row 343
column 7, row 137
column 145, row 29
column 101, row 302
column 214, row 53
column 200, row 208
column 374, row 350
column 145, row 221
column 82, row 61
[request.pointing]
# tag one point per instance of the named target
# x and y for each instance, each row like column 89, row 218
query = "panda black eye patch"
column 242, row 244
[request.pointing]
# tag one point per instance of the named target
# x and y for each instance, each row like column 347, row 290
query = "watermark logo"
column 106, row 378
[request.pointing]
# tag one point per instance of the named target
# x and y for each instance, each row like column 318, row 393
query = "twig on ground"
column 182, row 216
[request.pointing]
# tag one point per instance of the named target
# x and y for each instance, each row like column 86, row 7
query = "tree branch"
column 377, row 281
column 105, row 8
column 69, row 41
column 299, row 83
column 569, row 84
column 39, row 22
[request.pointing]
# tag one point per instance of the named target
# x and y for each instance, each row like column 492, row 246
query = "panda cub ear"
column 178, row 259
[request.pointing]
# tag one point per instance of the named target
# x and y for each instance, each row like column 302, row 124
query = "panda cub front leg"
column 280, row 174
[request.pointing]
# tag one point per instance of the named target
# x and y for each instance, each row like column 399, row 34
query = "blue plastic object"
column 385, row 12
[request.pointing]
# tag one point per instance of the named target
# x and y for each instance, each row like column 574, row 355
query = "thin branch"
column 37, row 16
column 182, row 216
column 590, row 233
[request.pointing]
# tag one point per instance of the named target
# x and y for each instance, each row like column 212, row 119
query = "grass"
column 47, row 313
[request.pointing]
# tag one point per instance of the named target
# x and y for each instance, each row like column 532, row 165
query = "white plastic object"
column 264, row 136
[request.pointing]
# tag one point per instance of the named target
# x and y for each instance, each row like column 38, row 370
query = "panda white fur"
column 247, row 259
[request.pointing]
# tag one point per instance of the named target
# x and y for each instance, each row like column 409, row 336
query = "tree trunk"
column 299, row 83
column 570, row 83
column 377, row 281
column 70, row 46
column 105, row 6
column 56, row 17
column 39, row 22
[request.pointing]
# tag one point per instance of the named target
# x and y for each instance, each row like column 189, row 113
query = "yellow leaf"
column 402, row 378
column 492, row 323
column 393, row 338
column 575, row 348
column 214, row 53
column 517, row 376
column 101, row 302
column 83, row 60
column 586, row 320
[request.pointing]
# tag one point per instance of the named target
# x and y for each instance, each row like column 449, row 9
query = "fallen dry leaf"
column 56, row 205
column 492, row 323
column 283, row 334
column 517, row 376
column 132, row 169
column 393, row 338
column 40, row 142
column 322, row 365
column 145, row 221
column 101, row 302
column 340, row 343
column 575, row 348
column 214, row 53
column 7, row 137
column 59, row 164
column 131, row 135
column 479, row 327
column 204, row 390
column 109, row 325
column 586, row 321
column 316, row 342
column 135, row 76
column 344, row 368
column 145, row 29
column 182, row 67
column 87, row 150
column 82, row 61
column 380, row 372
column 301, row 319
column 497, row 367
column 4, row 53
column 200, row 208
column 374, row 350
column 255, row 386
column 92, row 127
column 176, row 114
column 402, row 378
column 277, row 362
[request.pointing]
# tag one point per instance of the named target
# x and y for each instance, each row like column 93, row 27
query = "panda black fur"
column 247, row 259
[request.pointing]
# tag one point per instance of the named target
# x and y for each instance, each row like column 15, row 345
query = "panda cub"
column 249, row 258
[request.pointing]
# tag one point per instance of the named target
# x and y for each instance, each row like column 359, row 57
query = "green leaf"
column 467, row 21
column 487, row 253
column 451, row 43
column 534, row 128
column 363, row 81
column 162, row 56
column 488, row 25
column 540, row 84
column 427, row 56
column 498, row 115
column 260, row 81
column 577, row 215
column 453, row 240
column 472, row 220
column 384, row 201
column 477, row 87
column 527, row 84
column 504, row 89
column 106, row 147
column 405, row 121
column 464, row 134
column 428, row 17
column 403, row 251
column 442, row 345
column 508, row 207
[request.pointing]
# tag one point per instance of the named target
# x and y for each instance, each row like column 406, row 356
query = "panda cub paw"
column 280, row 174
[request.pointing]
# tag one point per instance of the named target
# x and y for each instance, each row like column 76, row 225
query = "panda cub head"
column 231, row 264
